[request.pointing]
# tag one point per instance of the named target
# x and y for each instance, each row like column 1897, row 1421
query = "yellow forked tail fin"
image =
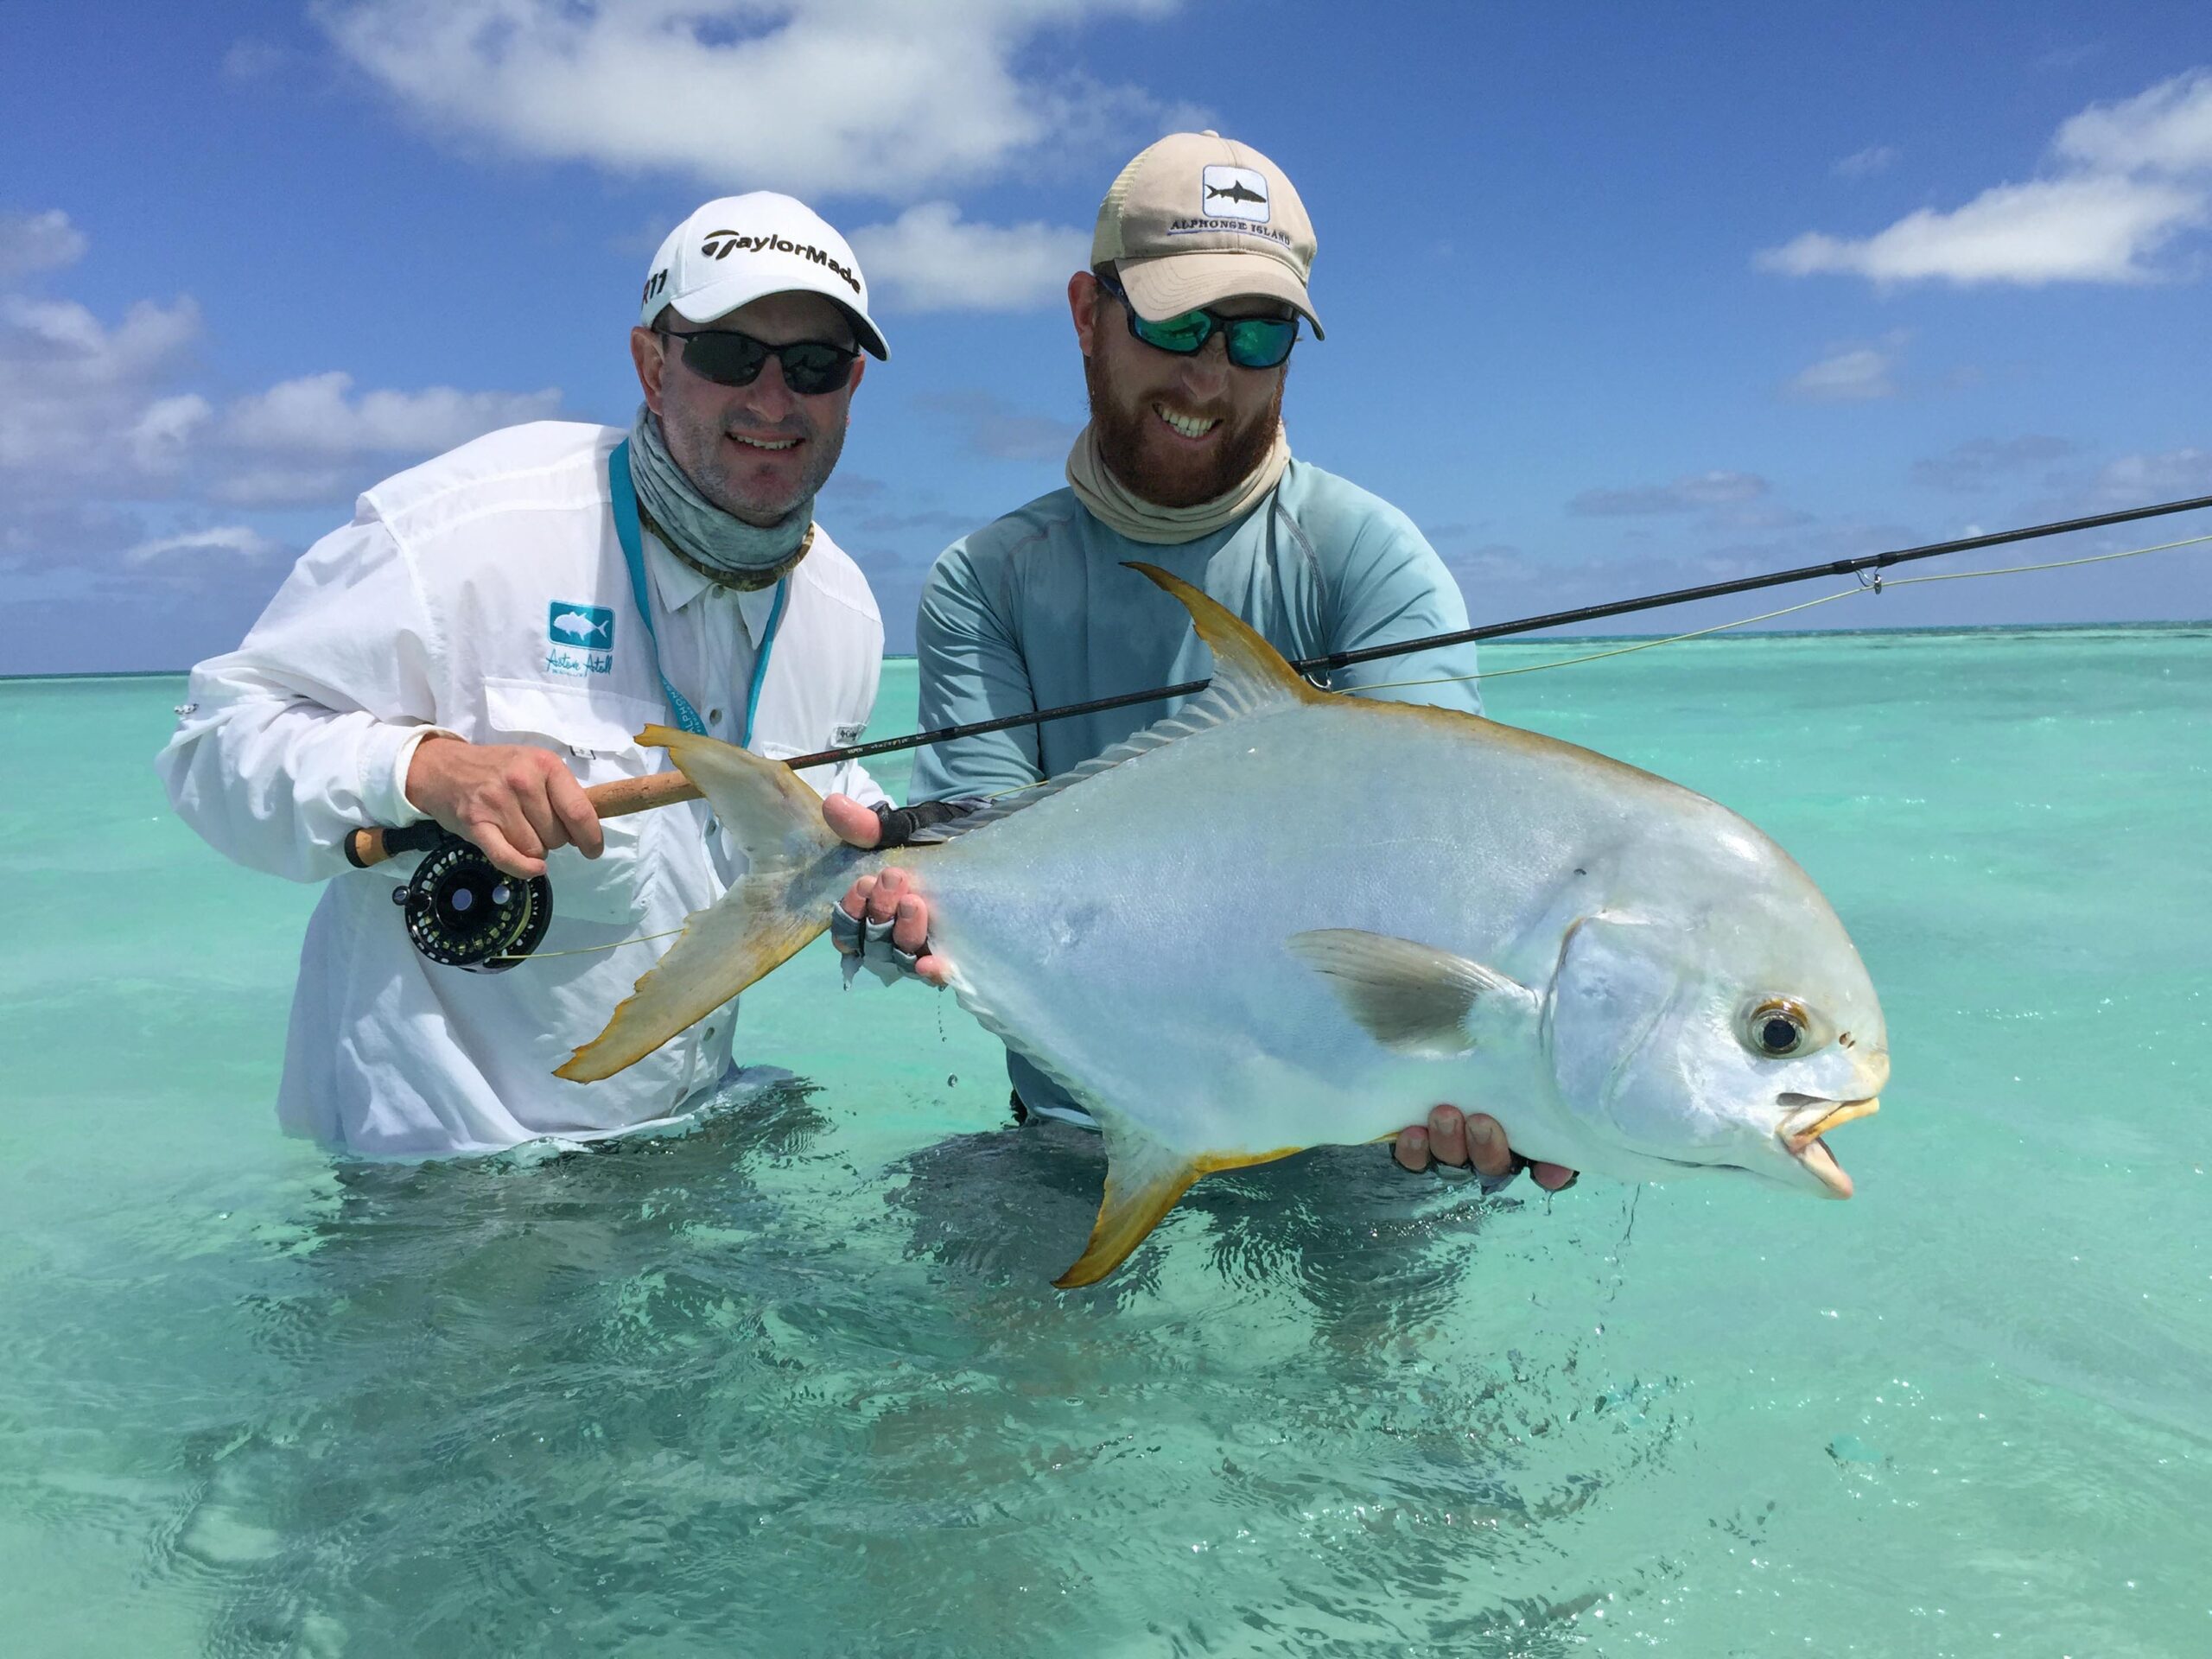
column 797, row 867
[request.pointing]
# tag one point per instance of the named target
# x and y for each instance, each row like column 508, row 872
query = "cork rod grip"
column 370, row 847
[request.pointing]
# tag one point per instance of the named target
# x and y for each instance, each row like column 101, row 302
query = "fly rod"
column 372, row 846
column 1501, row 629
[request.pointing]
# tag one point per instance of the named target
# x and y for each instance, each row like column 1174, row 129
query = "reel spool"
column 462, row 911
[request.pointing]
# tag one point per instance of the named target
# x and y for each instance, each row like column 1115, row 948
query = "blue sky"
column 1619, row 296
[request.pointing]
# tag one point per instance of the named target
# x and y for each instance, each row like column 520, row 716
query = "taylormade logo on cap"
column 732, row 252
column 1198, row 217
column 719, row 245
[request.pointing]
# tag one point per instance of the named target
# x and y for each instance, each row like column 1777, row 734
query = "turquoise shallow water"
column 793, row 1383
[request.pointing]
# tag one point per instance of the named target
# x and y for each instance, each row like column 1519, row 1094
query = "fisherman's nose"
column 768, row 399
column 1206, row 371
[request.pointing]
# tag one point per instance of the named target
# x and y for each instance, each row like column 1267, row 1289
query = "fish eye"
column 1776, row 1028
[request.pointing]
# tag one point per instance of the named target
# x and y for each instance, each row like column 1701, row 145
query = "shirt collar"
column 679, row 585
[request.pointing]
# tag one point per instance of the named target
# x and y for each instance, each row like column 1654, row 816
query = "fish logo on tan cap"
column 1235, row 193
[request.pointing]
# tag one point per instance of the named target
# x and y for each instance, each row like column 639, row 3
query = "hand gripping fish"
column 1282, row 918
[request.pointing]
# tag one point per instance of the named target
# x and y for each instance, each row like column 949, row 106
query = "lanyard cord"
column 624, row 495
column 760, row 661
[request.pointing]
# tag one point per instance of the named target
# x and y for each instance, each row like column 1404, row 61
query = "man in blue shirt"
column 1185, row 319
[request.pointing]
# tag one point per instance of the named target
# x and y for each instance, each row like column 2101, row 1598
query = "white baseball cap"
column 736, row 248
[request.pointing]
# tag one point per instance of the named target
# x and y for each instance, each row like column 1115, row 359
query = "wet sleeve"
column 970, row 669
column 304, row 732
column 1390, row 585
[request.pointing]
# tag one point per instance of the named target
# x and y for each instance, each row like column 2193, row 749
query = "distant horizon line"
column 1730, row 637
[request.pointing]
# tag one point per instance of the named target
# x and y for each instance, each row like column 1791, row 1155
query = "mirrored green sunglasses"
column 1251, row 342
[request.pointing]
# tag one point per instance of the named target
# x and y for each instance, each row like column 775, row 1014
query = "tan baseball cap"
column 1198, row 217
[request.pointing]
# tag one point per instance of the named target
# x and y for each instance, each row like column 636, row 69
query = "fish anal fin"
column 1410, row 997
column 1144, row 1180
column 1249, row 673
column 1130, row 1208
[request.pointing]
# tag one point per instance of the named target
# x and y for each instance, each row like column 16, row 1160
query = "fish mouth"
column 1801, row 1131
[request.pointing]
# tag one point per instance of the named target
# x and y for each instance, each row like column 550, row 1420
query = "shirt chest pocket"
column 595, row 734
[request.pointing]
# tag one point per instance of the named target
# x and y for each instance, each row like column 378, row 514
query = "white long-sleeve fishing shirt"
column 485, row 594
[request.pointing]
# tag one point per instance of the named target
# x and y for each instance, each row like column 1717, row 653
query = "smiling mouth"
column 772, row 445
column 1800, row 1132
column 1190, row 426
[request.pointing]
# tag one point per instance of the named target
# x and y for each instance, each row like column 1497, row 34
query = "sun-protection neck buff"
column 1114, row 505
column 717, row 544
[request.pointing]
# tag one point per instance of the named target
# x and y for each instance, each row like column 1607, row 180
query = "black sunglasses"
column 729, row 359
column 1252, row 343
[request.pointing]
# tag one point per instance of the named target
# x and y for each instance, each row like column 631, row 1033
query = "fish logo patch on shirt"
column 580, row 638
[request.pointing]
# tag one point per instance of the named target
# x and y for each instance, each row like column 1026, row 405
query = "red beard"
column 1121, row 428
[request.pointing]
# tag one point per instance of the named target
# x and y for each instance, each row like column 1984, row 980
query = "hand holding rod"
column 365, row 847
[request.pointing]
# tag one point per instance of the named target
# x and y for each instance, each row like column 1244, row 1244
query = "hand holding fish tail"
column 1473, row 1140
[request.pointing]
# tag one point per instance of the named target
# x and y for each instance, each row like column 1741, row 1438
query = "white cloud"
column 1864, row 163
column 83, row 402
column 2171, row 476
column 315, row 415
column 2079, row 230
column 165, row 429
column 929, row 259
column 1981, row 463
column 1695, row 493
column 45, row 241
column 2135, row 178
column 79, row 399
column 881, row 98
column 236, row 539
column 2166, row 130
column 250, row 60
column 1858, row 374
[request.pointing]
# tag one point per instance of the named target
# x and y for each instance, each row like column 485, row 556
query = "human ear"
column 1083, row 306
column 647, row 353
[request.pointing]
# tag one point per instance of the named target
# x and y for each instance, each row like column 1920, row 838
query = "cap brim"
column 723, row 298
column 1160, row 288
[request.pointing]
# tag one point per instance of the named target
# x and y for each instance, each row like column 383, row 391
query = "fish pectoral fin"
column 1409, row 996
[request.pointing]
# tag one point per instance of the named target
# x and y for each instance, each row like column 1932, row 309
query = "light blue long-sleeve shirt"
column 1035, row 610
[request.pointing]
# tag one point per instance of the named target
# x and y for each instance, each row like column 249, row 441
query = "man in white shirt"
column 484, row 640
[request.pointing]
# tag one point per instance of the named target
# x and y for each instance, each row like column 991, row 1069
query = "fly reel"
column 462, row 911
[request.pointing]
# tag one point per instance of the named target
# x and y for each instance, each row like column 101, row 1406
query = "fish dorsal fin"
column 1249, row 677
column 1249, row 673
column 1410, row 997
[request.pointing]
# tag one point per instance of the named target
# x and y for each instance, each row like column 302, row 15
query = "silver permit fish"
column 1283, row 918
